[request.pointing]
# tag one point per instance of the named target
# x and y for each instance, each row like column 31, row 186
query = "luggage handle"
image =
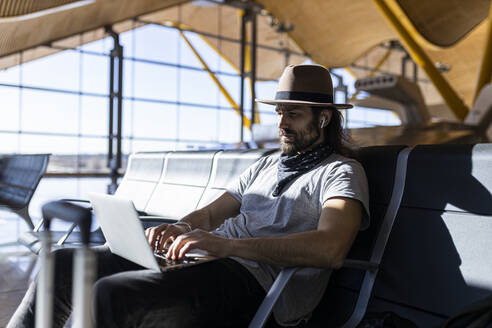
column 69, row 212
column 84, row 267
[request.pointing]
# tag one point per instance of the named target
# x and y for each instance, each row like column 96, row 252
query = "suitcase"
column 84, row 269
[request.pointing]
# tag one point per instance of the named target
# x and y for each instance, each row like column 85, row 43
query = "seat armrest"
column 284, row 276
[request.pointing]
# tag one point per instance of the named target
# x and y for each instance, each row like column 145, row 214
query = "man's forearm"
column 199, row 219
column 312, row 248
column 213, row 215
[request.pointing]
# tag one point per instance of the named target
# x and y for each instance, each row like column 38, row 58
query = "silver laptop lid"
column 122, row 229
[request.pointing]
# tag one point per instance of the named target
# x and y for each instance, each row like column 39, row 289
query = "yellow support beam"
column 454, row 102
column 257, row 116
column 231, row 101
column 485, row 74
column 219, row 53
column 381, row 62
column 351, row 73
column 376, row 67
column 185, row 27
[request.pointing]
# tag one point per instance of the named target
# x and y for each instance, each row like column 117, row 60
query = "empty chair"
column 19, row 178
column 183, row 182
column 143, row 172
column 438, row 256
column 228, row 165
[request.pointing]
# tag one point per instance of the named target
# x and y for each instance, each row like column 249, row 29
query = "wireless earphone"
column 323, row 121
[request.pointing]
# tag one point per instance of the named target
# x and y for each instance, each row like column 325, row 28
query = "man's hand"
column 162, row 234
column 213, row 244
column 207, row 218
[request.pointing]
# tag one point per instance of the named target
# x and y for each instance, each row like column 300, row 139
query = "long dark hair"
column 335, row 135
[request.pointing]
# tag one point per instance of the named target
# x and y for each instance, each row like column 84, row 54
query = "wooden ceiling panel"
column 445, row 22
column 12, row 8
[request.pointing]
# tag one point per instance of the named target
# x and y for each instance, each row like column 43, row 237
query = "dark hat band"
column 304, row 96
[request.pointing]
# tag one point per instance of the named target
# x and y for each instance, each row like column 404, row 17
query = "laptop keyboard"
column 163, row 260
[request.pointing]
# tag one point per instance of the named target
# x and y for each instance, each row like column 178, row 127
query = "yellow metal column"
column 485, row 74
column 454, row 102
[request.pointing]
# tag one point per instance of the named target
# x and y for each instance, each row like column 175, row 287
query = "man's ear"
column 326, row 114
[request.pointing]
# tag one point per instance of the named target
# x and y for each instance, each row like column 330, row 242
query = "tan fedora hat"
column 305, row 85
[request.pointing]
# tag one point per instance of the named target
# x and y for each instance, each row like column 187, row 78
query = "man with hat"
column 302, row 207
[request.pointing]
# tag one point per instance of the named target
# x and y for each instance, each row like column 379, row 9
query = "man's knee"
column 102, row 301
column 106, row 292
column 110, row 302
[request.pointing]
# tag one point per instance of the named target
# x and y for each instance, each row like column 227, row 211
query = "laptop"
column 125, row 235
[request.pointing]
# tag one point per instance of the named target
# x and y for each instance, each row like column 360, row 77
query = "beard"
column 301, row 139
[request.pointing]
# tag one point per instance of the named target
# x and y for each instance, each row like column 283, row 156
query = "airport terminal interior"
column 90, row 87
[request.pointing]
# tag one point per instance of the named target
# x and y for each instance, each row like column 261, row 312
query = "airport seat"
column 345, row 300
column 19, row 177
column 437, row 260
column 143, row 172
column 182, row 184
column 193, row 180
column 438, row 256
column 165, row 186
column 228, row 165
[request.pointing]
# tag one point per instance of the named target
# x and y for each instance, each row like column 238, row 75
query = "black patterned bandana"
column 290, row 167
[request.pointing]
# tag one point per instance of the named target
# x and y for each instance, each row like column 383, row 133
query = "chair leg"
column 24, row 213
column 62, row 240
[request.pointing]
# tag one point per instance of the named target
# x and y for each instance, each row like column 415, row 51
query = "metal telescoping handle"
column 69, row 212
column 84, row 266
column 44, row 292
column 83, row 271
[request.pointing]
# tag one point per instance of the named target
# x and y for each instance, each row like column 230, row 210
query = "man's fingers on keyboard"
column 177, row 245
column 152, row 236
column 170, row 252
column 184, row 249
column 154, row 233
column 162, row 242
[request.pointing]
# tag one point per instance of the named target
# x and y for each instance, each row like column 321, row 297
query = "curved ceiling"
column 445, row 22
column 11, row 8
column 335, row 33
column 339, row 33
column 20, row 34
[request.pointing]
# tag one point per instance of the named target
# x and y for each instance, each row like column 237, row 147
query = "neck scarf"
column 290, row 167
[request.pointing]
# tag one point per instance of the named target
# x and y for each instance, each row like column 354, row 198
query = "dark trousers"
column 220, row 293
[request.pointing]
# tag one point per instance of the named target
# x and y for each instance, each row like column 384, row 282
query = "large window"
column 59, row 103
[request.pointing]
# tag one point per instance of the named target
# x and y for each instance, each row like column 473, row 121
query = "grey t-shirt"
column 297, row 209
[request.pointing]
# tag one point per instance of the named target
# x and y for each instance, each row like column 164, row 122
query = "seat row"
column 438, row 258
column 426, row 254
column 173, row 184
